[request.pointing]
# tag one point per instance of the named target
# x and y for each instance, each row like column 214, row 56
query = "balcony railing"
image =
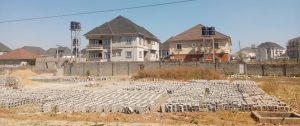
column 94, row 47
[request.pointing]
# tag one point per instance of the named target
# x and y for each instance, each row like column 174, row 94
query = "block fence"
column 131, row 68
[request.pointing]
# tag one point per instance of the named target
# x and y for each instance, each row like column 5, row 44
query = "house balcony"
column 152, row 47
column 94, row 47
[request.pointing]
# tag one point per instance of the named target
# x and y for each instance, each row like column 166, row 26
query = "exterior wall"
column 12, row 62
column 196, row 49
column 200, row 57
column 263, row 54
column 131, row 68
column 293, row 48
column 1, row 53
column 120, row 46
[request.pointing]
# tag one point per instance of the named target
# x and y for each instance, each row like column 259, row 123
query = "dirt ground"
column 153, row 118
column 285, row 88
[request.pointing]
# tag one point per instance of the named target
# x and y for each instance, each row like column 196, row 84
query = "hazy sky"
column 251, row 21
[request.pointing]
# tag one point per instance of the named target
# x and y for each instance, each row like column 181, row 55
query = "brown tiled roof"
column 195, row 33
column 19, row 54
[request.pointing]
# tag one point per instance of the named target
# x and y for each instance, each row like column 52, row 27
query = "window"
column 106, row 42
column 97, row 55
column 178, row 46
column 140, row 54
column 99, row 42
column 118, row 53
column 128, row 40
column 128, row 54
column 193, row 44
column 216, row 45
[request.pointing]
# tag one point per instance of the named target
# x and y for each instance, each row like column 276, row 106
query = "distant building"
column 269, row 51
column 164, row 50
column 121, row 40
column 60, row 52
column 293, row 48
column 191, row 45
column 83, row 53
column 17, row 57
column 246, row 54
column 4, row 49
column 37, row 50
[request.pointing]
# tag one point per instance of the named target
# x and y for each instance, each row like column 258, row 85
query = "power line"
column 100, row 11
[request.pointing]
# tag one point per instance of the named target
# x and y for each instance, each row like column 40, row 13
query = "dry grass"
column 286, row 88
column 180, row 73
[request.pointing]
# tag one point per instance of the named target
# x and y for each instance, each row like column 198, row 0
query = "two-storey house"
column 121, row 40
column 191, row 45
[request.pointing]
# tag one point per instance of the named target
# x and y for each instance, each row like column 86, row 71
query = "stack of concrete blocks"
column 217, row 95
column 9, row 82
column 141, row 97
column 66, row 79
column 120, row 100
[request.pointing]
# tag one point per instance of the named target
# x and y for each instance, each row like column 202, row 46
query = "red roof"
column 19, row 54
column 195, row 33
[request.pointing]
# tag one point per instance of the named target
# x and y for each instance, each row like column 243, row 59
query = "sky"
column 247, row 21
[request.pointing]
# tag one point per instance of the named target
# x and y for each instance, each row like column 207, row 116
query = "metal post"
column 75, row 47
column 213, row 49
column 110, row 51
column 298, row 52
column 131, row 44
column 204, row 50
column 57, row 52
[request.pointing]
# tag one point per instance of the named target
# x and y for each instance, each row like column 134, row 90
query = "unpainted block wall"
column 131, row 68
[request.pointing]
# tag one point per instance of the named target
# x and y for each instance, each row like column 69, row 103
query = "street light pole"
column 298, row 44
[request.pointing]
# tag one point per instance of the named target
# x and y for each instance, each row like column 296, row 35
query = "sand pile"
column 24, row 75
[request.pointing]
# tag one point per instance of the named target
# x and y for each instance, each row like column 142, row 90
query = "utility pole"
column 298, row 50
column 239, row 45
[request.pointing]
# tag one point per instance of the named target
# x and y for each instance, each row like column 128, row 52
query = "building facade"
column 247, row 54
column 269, row 51
column 121, row 40
column 293, row 48
column 191, row 45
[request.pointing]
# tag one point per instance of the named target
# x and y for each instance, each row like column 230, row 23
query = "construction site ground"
column 285, row 88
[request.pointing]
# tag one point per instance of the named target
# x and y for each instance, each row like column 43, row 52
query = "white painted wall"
column 135, row 46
